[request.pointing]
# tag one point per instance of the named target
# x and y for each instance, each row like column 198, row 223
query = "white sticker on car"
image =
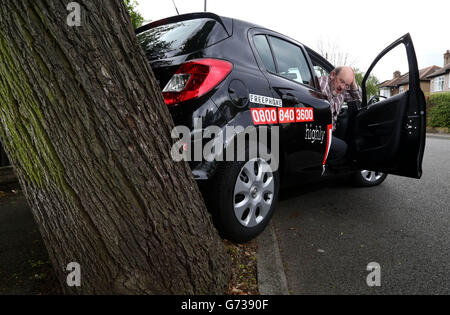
column 265, row 100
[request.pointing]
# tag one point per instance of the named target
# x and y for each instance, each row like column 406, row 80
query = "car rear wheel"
column 243, row 198
column 366, row 178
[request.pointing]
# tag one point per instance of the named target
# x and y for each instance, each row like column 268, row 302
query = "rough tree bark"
column 88, row 133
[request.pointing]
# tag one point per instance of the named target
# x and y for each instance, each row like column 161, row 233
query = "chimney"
column 447, row 58
column 397, row 74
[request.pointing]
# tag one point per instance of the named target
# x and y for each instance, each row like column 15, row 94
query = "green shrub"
column 439, row 114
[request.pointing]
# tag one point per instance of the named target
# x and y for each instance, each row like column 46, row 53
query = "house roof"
column 393, row 82
column 441, row 71
column 404, row 79
column 383, row 84
column 424, row 75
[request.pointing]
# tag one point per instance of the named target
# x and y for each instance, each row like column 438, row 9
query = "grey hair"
column 339, row 69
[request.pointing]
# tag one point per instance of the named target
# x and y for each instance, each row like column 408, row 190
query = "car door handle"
column 290, row 99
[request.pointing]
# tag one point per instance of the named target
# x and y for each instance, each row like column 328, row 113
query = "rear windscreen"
column 180, row 38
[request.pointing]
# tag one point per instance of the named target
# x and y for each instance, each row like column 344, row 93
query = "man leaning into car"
column 339, row 86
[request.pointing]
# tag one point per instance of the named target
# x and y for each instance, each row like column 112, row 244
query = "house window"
column 385, row 92
column 402, row 89
column 438, row 84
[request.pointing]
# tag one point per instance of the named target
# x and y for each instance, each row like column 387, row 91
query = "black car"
column 232, row 73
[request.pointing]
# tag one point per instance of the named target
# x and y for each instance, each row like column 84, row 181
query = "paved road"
column 328, row 235
column 24, row 266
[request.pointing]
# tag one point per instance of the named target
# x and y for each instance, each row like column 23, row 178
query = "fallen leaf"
column 237, row 291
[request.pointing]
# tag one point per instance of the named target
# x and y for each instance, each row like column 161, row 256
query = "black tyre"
column 242, row 198
column 365, row 178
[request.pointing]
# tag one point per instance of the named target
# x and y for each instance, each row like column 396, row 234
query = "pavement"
column 438, row 135
column 326, row 235
column 271, row 276
column 24, row 262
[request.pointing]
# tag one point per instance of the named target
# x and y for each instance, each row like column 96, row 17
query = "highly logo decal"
column 314, row 133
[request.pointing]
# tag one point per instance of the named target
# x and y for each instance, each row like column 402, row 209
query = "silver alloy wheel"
column 371, row 176
column 253, row 192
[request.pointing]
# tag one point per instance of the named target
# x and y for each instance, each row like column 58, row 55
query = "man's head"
column 341, row 79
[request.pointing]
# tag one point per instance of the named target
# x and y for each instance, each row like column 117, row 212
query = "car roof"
column 315, row 57
column 227, row 23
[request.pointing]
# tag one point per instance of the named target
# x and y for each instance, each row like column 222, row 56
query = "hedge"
column 439, row 113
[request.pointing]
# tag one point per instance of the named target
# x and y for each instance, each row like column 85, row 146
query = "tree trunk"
column 86, row 128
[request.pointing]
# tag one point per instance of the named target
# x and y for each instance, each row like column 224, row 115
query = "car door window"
column 263, row 48
column 290, row 60
column 320, row 71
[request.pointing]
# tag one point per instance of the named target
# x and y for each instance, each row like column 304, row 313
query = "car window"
column 320, row 71
column 180, row 38
column 263, row 48
column 291, row 61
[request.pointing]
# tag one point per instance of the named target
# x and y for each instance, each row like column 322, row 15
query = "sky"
column 361, row 29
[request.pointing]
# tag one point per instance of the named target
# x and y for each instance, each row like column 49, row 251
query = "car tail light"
column 194, row 79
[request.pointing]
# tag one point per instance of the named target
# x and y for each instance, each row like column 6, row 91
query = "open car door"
column 389, row 135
